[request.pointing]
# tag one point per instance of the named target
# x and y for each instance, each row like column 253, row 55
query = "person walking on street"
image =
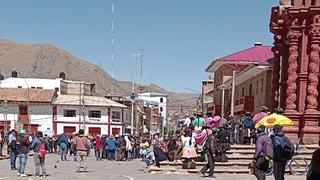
column 38, row 146
column 99, row 148
column 209, row 149
column 283, row 151
column 22, row 152
column 263, row 154
column 63, row 143
column 111, row 146
column 13, row 149
column 81, row 145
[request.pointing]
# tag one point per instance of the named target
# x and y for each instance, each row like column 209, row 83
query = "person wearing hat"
column 13, row 149
column 209, row 149
column 22, row 152
column 262, row 153
column 81, row 144
column 111, row 146
column 248, row 126
column 99, row 147
column 38, row 160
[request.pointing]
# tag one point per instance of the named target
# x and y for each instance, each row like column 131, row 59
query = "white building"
column 29, row 109
column 160, row 99
column 60, row 85
column 97, row 115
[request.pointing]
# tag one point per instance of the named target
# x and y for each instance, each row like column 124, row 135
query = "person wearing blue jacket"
column 111, row 146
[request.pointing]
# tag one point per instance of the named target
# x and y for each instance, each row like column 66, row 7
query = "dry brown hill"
column 47, row 61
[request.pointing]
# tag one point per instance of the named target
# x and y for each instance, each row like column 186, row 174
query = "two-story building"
column 247, row 79
column 28, row 109
column 97, row 115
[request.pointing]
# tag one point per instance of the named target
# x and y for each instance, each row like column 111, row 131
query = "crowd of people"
column 204, row 139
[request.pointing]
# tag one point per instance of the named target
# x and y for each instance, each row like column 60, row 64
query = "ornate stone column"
column 276, row 73
column 313, row 77
column 294, row 35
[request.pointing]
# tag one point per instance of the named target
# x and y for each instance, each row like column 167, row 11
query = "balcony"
column 244, row 104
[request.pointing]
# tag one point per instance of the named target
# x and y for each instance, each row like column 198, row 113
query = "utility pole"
column 80, row 105
column 132, row 103
column 222, row 102
column 232, row 92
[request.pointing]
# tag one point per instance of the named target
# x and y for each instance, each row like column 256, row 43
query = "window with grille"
column 115, row 116
column 69, row 113
column 94, row 114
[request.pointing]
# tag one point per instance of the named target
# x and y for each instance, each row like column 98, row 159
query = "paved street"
column 108, row 170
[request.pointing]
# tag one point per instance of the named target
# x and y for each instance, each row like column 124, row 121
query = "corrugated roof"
column 261, row 54
column 88, row 101
column 24, row 95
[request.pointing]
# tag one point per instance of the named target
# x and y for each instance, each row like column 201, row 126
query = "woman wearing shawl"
column 188, row 151
column 209, row 150
column 248, row 126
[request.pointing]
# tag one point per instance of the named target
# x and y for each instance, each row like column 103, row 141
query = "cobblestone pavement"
column 131, row 170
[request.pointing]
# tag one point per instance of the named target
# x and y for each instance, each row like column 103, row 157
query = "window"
column 23, row 110
column 39, row 87
column 250, row 90
column 257, row 87
column 161, row 109
column 115, row 116
column 262, row 85
column 33, row 87
column 161, row 100
column 94, row 114
column 56, row 89
column 19, row 86
column 242, row 94
column 69, row 113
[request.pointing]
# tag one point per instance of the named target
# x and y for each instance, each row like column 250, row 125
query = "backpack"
column 42, row 150
column 283, row 148
column 268, row 148
column 63, row 146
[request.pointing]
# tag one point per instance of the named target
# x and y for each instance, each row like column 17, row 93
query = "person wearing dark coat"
column 209, row 150
column 223, row 143
column 248, row 126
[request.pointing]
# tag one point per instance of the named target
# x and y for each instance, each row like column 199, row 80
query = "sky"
column 178, row 38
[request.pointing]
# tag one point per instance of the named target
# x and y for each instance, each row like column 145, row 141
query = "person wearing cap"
column 22, row 145
column 99, row 147
column 81, row 145
column 38, row 161
column 259, row 161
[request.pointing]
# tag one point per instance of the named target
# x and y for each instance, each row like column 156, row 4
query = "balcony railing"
column 244, row 104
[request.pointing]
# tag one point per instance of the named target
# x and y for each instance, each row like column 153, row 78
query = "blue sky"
column 178, row 37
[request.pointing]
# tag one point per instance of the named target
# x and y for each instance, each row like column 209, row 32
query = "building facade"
column 96, row 115
column 28, row 109
column 296, row 29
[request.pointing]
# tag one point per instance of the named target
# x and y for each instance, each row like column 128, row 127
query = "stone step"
column 251, row 151
column 237, row 163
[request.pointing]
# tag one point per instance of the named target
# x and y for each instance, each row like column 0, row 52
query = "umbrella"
column 273, row 119
column 199, row 122
column 259, row 116
column 213, row 122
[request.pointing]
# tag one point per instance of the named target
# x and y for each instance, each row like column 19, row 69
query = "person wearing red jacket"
column 99, row 148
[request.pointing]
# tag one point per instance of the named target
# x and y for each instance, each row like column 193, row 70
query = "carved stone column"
column 312, row 99
column 276, row 74
column 294, row 35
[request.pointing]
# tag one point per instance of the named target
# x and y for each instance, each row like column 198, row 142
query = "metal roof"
column 88, row 101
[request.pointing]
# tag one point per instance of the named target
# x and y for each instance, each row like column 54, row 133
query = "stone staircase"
column 239, row 158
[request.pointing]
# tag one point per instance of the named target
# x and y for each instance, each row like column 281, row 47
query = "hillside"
column 47, row 61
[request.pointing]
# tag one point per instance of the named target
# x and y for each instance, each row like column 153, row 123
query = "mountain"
column 47, row 61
